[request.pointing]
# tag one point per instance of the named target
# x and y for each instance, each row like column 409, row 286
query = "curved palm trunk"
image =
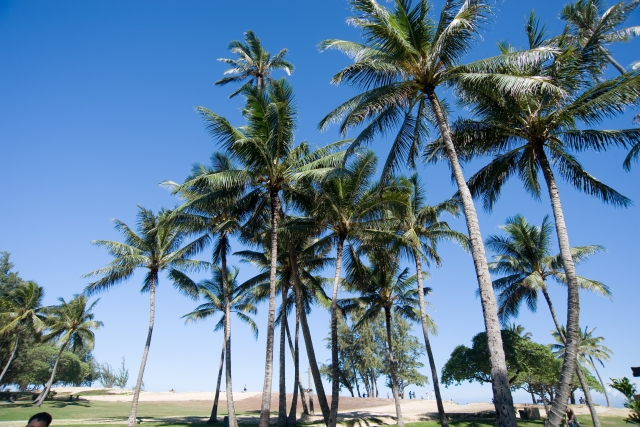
column 581, row 378
column 49, row 383
column 296, row 362
column 600, row 379
column 265, row 410
column 502, row 399
column 11, row 356
column 131, row 421
column 432, row 364
column 282, row 385
column 392, row 363
column 335, row 373
column 214, row 411
column 569, row 365
column 306, row 334
column 613, row 62
column 231, row 411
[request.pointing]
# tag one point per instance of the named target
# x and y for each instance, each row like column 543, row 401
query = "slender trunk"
column 432, row 364
column 12, row 355
column 613, row 62
column 296, row 362
column 583, row 381
column 502, row 399
column 49, row 383
column 355, row 376
column 569, row 364
column 282, row 385
column 231, row 411
column 600, row 379
column 392, row 365
column 265, row 410
column 313, row 364
column 533, row 396
column 291, row 421
column 374, row 383
column 152, row 310
column 335, row 369
column 214, row 411
column 544, row 402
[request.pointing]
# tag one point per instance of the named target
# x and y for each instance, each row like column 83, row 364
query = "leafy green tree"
column 406, row 57
column 21, row 312
column 157, row 246
column 253, row 63
column 70, row 325
column 270, row 164
column 593, row 27
column 524, row 259
column 9, row 280
column 589, row 348
column 213, row 293
column 33, row 367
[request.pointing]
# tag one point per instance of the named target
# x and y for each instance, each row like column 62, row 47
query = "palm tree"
column 592, row 27
column 218, row 213
column 589, row 348
column 346, row 207
column 524, row 258
column 21, row 312
column 406, row 57
column 534, row 132
column 384, row 288
column 420, row 231
column 216, row 292
column 253, row 63
column 271, row 164
column 157, row 246
column 71, row 325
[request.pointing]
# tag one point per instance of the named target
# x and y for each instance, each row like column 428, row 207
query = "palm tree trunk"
column 49, row 383
column 432, row 364
column 282, row 386
column 296, row 362
column 392, row 364
column 214, row 411
column 11, row 356
column 600, row 379
column 613, row 62
column 231, row 411
column 265, row 410
column 502, row 399
column 306, row 334
column 581, row 378
column 335, row 380
column 569, row 364
column 132, row 421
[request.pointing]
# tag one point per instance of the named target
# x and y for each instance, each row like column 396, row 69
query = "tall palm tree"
column 384, row 288
column 524, row 258
column 253, row 63
column 536, row 132
column 271, row 164
column 21, row 312
column 71, row 325
column 406, row 57
column 346, row 207
column 593, row 27
column 589, row 349
column 218, row 213
column 158, row 245
column 420, row 230
column 216, row 292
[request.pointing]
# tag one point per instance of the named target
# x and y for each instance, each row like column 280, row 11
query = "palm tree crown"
column 253, row 63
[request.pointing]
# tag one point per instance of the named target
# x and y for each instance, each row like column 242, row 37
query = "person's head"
column 41, row 419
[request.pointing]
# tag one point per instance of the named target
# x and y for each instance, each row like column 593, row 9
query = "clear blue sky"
column 96, row 108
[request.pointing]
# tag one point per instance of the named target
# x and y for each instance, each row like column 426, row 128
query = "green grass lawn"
column 160, row 411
